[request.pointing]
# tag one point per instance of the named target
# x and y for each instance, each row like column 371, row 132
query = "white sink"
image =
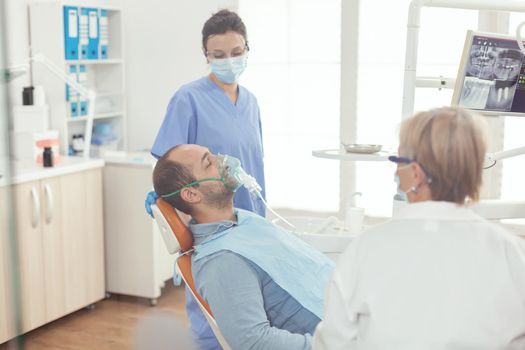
column 324, row 234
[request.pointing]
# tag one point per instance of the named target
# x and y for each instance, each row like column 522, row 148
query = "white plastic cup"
column 354, row 220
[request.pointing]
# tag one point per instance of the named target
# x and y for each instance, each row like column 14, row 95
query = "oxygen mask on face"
column 234, row 177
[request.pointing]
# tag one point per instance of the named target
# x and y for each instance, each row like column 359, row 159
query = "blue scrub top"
column 201, row 113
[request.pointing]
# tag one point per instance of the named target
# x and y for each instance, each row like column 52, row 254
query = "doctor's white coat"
column 436, row 277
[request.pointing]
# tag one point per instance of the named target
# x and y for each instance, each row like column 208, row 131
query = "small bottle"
column 354, row 215
column 74, row 143
column 78, row 143
column 80, row 139
column 48, row 157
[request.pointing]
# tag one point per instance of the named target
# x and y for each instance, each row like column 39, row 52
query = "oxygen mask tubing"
column 234, row 177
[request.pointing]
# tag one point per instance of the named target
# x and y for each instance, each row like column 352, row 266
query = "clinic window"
column 294, row 71
column 381, row 59
column 512, row 168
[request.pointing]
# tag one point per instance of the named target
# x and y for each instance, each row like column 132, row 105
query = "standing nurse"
column 217, row 113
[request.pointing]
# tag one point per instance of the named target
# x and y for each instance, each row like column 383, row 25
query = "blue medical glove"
column 150, row 200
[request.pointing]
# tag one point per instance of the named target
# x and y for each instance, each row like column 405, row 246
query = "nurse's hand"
column 151, row 198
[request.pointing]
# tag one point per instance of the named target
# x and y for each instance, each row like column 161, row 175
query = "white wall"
column 16, row 50
column 3, row 101
column 162, row 52
column 17, row 43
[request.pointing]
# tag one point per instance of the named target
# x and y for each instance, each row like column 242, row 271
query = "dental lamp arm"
column 13, row 72
column 40, row 58
column 497, row 209
column 53, row 68
column 87, row 93
column 493, row 157
column 518, row 37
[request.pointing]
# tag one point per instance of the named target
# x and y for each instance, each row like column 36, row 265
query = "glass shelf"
column 98, row 116
column 109, row 93
column 344, row 155
column 100, row 61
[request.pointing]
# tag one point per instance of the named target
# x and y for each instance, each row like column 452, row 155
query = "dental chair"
column 179, row 240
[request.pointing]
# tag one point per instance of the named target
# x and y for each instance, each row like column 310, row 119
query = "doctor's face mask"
column 401, row 195
column 402, row 163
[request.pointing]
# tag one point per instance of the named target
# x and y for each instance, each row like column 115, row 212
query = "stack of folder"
column 77, row 105
column 86, row 37
column 86, row 33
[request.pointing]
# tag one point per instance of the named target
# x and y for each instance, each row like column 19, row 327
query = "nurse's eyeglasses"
column 219, row 54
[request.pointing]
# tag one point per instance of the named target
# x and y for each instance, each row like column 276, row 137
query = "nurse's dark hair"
column 222, row 22
column 168, row 177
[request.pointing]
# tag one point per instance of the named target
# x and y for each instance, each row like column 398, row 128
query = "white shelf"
column 28, row 170
column 344, row 155
column 101, row 61
column 98, row 116
column 109, row 93
column 105, row 76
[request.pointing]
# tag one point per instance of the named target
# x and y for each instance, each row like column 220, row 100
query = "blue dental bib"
column 295, row 266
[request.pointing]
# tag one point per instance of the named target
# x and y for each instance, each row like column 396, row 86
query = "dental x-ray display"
column 491, row 75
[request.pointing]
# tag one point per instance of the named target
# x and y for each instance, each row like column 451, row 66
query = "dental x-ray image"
column 492, row 73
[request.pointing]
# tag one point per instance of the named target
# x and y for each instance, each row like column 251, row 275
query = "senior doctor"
column 437, row 276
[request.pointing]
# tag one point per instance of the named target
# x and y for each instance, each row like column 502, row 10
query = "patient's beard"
column 218, row 197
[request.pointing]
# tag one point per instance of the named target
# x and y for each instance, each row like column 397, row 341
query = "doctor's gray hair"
column 449, row 143
column 222, row 22
column 170, row 176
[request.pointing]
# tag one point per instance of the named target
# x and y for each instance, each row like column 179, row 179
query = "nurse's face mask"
column 228, row 67
column 228, row 70
column 228, row 167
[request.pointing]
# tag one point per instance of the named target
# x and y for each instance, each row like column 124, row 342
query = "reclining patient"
column 264, row 285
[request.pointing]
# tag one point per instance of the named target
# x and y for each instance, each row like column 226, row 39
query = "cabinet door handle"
column 36, row 208
column 50, row 203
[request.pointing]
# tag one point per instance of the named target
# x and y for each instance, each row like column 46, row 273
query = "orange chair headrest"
column 181, row 231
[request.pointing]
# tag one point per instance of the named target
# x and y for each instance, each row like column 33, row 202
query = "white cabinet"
column 105, row 76
column 137, row 262
column 28, row 214
column 83, row 239
column 59, row 234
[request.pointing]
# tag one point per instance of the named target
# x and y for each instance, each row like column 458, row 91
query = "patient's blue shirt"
column 266, row 316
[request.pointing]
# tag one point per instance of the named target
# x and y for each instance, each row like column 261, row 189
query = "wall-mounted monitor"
column 491, row 76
